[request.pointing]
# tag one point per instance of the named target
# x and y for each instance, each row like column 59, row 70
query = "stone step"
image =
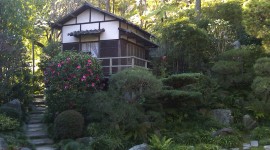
column 45, row 147
column 37, row 125
column 38, row 112
column 36, row 115
column 35, row 121
column 36, row 134
column 35, row 129
column 39, row 142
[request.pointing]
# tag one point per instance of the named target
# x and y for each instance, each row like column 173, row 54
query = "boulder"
column 140, row 147
column 224, row 131
column 223, row 116
column 248, row 122
column 15, row 104
column 3, row 144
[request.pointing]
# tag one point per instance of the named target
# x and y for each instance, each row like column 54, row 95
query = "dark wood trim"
column 70, row 43
column 90, row 13
column 134, row 44
column 89, row 22
column 119, row 24
column 80, row 39
column 99, row 29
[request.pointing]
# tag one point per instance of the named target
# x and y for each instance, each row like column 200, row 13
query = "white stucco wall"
column 96, row 16
column 111, row 30
column 71, row 21
column 68, row 29
column 84, row 17
column 89, row 38
column 90, row 26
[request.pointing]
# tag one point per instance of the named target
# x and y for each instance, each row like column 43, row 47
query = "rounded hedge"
column 135, row 84
column 68, row 124
column 11, row 112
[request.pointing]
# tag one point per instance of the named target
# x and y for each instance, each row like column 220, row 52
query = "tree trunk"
column 108, row 5
column 198, row 9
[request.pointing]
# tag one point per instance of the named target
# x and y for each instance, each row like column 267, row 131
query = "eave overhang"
column 138, row 38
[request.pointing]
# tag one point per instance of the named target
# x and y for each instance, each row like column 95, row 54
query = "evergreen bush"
column 135, row 84
column 11, row 112
column 68, row 124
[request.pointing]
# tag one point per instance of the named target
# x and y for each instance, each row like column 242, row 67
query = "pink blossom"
column 89, row 61
column 59, row 65
column 93, row 84
column 78, row 67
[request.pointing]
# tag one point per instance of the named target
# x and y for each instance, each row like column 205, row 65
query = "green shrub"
column 228, row 141
column 68, row 124
column 207, row 147
column 160, row 143
column 73, row 145
column 7, row 123
column 11, row 112
column 107, row 142
column 260, row 133
column 135, row 84
column 180, row 80
column 264, row 141
column 187, row 139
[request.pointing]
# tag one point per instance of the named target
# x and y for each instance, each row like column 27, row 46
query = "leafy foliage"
column 160, row 143
column 68, row 124
column 256, row 19
column 187, row 45
column 261, row 133
column 8, row 124
column 11, row 112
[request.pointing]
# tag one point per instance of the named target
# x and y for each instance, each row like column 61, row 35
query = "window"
column 92, row 48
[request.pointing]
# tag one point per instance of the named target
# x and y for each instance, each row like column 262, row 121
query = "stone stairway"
column 36, row 129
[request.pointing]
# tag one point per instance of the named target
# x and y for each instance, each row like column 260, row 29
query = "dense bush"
column 179, row 80
column 107, row 142
column 7, row 123
column 234, row 69
column 228, row 141
column 11, row 112
column 135, row 84
column 68, row 124
column 261, row 84
column 160, row 143
column 69, row 77
column 261, row 133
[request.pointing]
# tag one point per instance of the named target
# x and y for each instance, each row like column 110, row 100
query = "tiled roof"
column 86, row 32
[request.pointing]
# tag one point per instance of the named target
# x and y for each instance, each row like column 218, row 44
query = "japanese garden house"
column 115, row 41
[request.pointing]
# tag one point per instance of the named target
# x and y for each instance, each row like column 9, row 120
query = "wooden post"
column 145, row 64
column 110, row 66
column 132, row 62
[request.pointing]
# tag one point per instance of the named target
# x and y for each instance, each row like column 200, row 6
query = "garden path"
column 36, row 129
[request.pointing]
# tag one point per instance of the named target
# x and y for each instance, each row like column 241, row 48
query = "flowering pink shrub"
column 71, row 78
column 73, row 71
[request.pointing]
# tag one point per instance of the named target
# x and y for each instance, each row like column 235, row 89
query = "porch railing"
column 112, row 65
